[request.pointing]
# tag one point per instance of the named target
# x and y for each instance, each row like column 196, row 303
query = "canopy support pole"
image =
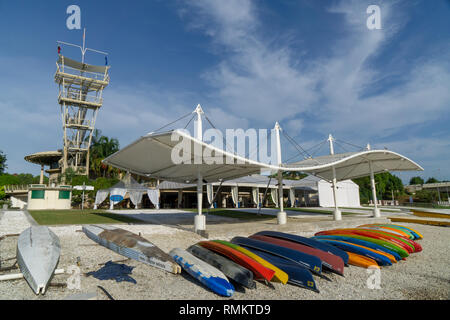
column 264, row 197
column 217, row 193
column 281, row 215
column 376, row 210
column 199, row 220
column 337, row 213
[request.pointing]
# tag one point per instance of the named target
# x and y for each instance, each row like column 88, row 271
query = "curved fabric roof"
column 44, row 158
column 353, row 165
column 151, row 155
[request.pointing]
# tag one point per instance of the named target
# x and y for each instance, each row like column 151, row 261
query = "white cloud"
column 264, row 83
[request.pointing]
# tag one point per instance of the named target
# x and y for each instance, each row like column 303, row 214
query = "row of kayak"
column 287, row 258
column 265, row 256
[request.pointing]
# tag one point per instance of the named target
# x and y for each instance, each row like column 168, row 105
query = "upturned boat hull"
column 229, row 268
column 131, row 246
column 38, row 252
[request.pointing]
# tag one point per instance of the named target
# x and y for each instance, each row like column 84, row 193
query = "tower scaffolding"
column 80, row 90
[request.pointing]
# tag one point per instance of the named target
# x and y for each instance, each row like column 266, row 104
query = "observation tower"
column 80, row 96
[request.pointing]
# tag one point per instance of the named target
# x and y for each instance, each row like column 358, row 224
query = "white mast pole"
column 376, row 210
column 337, row 212
column 83, row 51
column 199, row 220
column 281, row 215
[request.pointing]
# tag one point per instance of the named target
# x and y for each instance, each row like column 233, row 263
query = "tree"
column 432, row 180
column 416, row 180
column 386, row 184
column 426, row 196
column 2, row 192
column 102, row 147
column 3, row 165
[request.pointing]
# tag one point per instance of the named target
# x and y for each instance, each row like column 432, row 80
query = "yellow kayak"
column 279, row 275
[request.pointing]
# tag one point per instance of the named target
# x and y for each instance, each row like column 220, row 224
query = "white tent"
column 347, row 194
column 127, row 185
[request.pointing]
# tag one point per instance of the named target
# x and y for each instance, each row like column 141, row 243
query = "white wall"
column 347, row 194
column 51, row 201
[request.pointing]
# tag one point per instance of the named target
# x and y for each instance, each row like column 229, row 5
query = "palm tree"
column 102, row 147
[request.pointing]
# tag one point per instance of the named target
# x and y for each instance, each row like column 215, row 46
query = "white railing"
column 81, row 97
column 80, row 122
column 16, row 188
column 73, row 145
column 79, row 73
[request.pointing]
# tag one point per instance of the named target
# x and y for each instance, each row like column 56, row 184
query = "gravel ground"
column 423, row 275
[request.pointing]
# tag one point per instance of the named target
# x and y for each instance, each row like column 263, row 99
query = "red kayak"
column 330, row 261
column 260, row 272
column 369, row 234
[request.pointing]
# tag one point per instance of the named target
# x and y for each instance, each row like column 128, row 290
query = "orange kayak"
column 361, row 261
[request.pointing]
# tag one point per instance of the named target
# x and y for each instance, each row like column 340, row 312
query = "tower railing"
column 80, row 97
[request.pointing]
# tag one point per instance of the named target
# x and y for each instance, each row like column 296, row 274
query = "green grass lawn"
column 65, row 217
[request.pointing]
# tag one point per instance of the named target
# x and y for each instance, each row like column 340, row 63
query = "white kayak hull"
column 38, row 252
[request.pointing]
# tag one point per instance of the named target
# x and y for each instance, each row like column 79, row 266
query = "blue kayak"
column 298, row 275
column 361, row 243
column 312, row 263
column 208, row 275
column 347, row 246
column 307, row 242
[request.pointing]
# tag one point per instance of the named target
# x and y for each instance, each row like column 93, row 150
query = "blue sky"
column 312, row 65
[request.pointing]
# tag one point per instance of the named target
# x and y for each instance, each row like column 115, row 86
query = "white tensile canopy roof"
column 353, row 165
column 151, row 155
